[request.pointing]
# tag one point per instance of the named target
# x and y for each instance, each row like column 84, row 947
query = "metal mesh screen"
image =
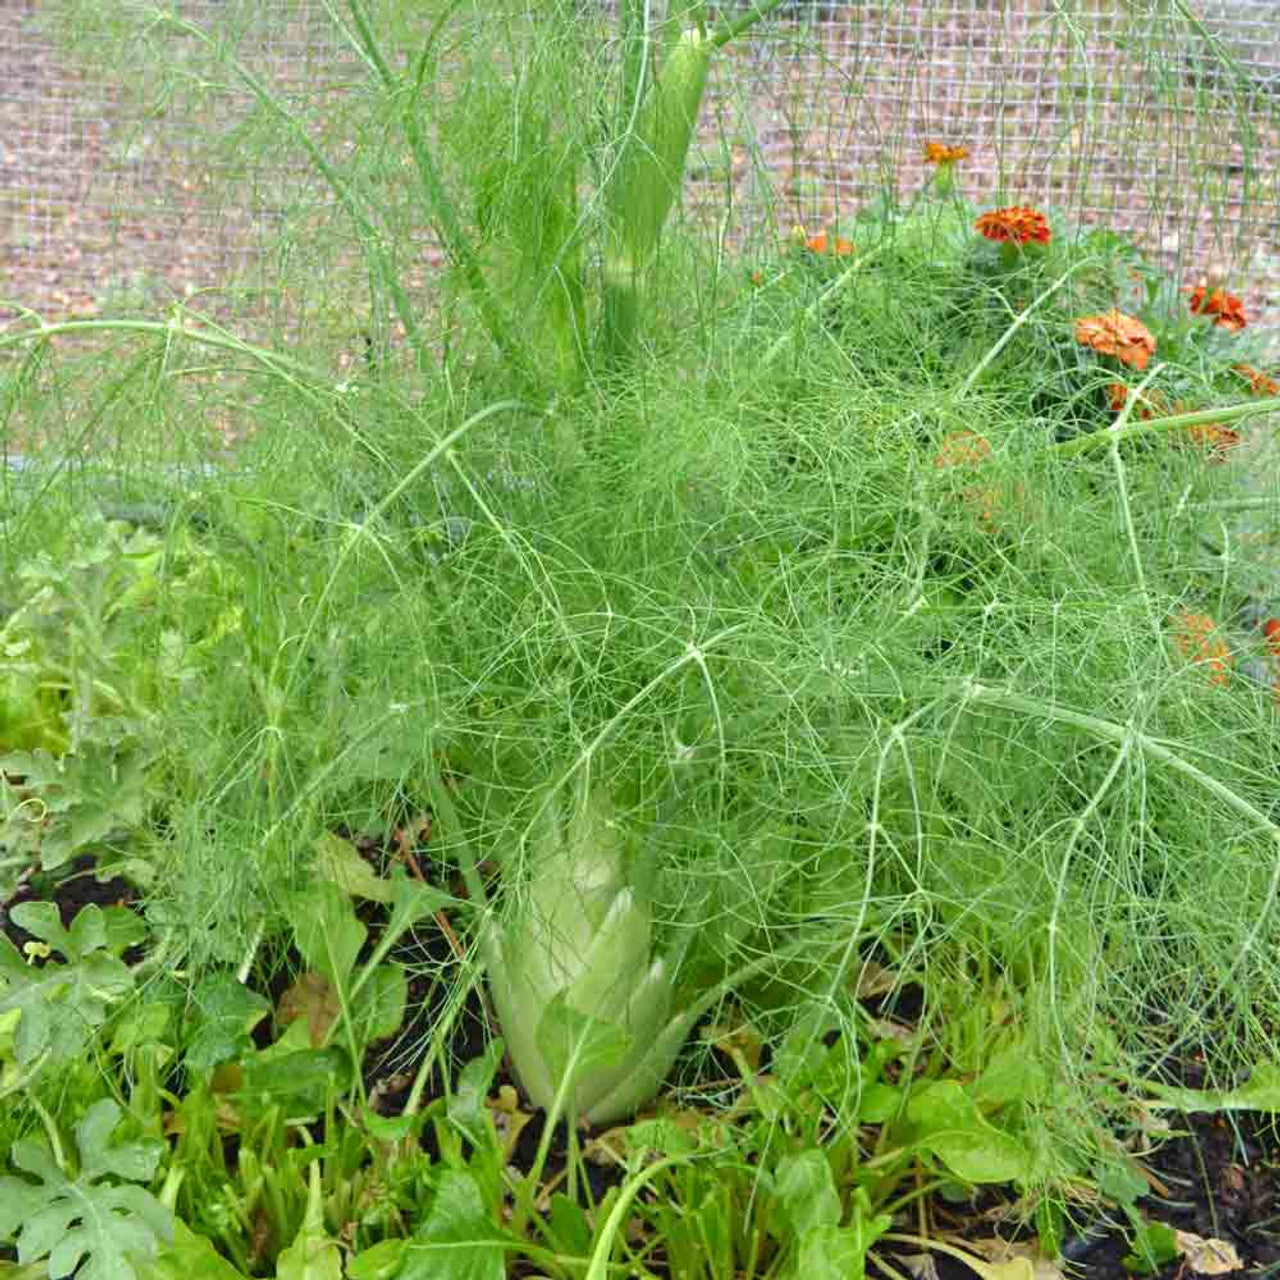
column 119, row 195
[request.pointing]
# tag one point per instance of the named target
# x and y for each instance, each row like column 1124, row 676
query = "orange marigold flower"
column 1018, row 224
column 1259, row 383
column 1115, row 334
column 1214, row 436
column 1196, row 636
column 842, row 247
column 1271, row 630
column 940, row 153
column 1153, row 402
column 1227, row 310
column 963, row 449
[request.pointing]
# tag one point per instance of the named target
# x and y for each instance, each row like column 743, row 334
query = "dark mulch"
column 1223, row 1180
column 72, row 890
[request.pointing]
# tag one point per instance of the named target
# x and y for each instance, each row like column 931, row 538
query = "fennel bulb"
column 585, row 1007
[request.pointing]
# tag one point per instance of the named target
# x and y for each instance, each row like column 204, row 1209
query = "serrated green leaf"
column 82, row 1222
column 62, row 1005
column 1261, row 1092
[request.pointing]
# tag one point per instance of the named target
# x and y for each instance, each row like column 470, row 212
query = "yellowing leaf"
column 1208, row 1257
column 1014, row 1259
column 312, row 997
column 339, row 860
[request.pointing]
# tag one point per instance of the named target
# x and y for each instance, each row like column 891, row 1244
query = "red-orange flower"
column 1115, row 334
column 1214, row 436
column 1259, row 383
column 1152, row 402
column 819, row 244
column 1196, row 636
column 1017, row 225
column 940, row 153
column 1271, row 637
column 1227, row 310
column 963, row 449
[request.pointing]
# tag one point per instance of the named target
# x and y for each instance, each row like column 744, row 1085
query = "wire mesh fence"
column 129, row 181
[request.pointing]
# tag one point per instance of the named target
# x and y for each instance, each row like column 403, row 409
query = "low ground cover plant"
column 692, row 787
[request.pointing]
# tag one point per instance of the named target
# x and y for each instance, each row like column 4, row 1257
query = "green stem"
column 173, row 328
column 815, row 308
column 983, row 1268
column 726, row 30
column 1155, row 426
column 1018, row 321
column 51, row 1130
column 440, row 207
column 613, row 1223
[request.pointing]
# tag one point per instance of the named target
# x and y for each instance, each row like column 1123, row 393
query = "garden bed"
column 719, row 768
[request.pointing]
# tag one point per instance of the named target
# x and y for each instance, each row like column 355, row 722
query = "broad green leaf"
column 412, row 901
column 806, row 1192
column 16, row 1271
column 390, row 1128
column 466, row 1107
column 326, row 930
column 378, row 1009
column 1153, row 1245
column 224, row 1012
column 1012, row 1075
column 838, row 1253
column 948, row 1124
column 658, row 1137
column 84, row 796
column 314, row 1254
column 570, row 1225
column 303, row 1080
column 188, row 1257
column 458, row 1241
column 382, row 1262
column 83, row 1222
column 879, row 1103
